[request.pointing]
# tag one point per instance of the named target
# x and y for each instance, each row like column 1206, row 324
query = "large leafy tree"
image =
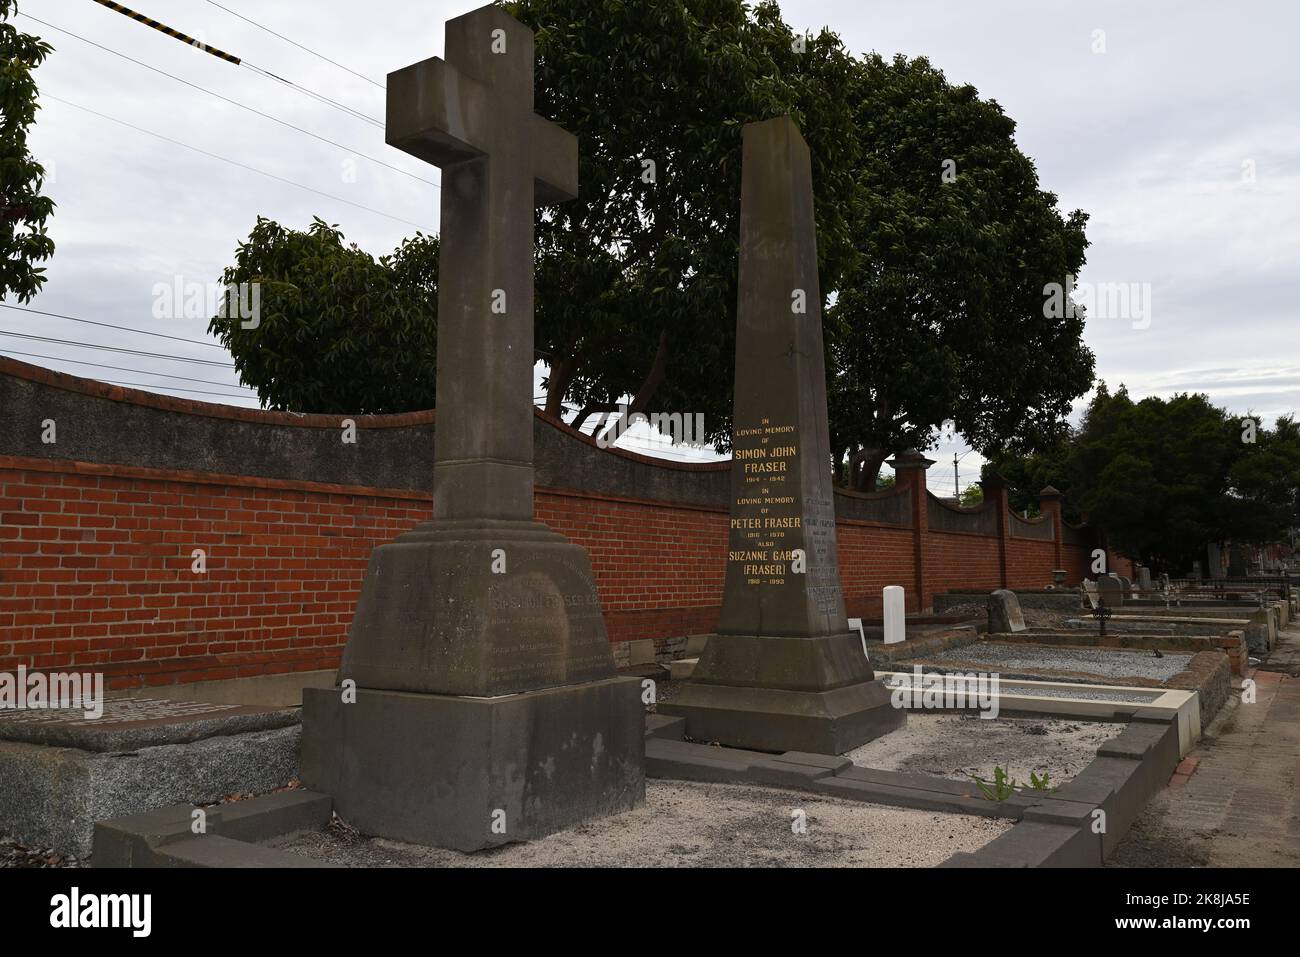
column 23, row 210
column 636, row 279
column 336, row 330
column 942, row 314
column 1163, row 477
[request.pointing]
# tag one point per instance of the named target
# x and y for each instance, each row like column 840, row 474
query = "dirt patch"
column 957, row 746
column 698, row 825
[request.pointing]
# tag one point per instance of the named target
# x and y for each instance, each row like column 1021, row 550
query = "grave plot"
column 961, row 747
column 61, row 772
column 697, row 824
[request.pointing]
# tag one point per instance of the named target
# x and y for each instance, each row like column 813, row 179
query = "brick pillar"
column 909, row 468
column 1049, row 503
column 995, row 491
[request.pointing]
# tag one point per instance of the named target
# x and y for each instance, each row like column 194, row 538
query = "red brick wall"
column 95, row 567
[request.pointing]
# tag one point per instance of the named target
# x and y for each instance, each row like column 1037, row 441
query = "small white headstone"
column 895, row 614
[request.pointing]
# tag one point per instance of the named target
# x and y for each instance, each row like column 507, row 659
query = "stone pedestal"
column 469, row 773
column 486, row 708
column 785, row 694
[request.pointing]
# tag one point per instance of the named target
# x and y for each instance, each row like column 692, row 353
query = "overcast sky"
column 1179, row 139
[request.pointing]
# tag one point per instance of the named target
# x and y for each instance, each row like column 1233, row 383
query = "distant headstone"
column 1110, row 590
column 485, row 705
column 1236, row 561
column 895, row 609
column 1214, row 560
column 1126, row 584
column 1005, row 616
column 1144, row 578
column 1089, row 589
column 784, row 673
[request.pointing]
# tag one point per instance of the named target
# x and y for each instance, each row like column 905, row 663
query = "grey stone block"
column 685, row 761
column 53, row 796
column 217, row 851
column 664, row 726
column 166, row 837
column 468, row 773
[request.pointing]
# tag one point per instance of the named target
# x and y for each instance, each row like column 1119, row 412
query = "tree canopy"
column 941, row 315
column 23, row 209
column 934, row 238
column 1164, row 477
column 336, row 330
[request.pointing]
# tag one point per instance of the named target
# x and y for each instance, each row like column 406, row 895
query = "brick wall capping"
column 909, row 459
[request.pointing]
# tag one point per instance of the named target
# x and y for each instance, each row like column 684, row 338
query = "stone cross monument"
column 486, row 708
column 784, row 673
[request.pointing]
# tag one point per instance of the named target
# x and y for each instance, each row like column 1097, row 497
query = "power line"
column 298, row 45
column 224, row 159
column 149, row 385
column 226, row 99
column 132, row 352
column 100, row 365
column 237, row 61
column 109, row 325
column 163, row 28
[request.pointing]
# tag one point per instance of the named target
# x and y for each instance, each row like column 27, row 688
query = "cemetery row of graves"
column 995, row 699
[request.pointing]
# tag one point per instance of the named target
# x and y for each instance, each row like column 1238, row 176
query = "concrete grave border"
column 1052, row 829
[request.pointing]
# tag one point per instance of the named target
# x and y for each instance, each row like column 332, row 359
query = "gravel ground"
column 689, row 824
column 959, row 745
column 1104, row 662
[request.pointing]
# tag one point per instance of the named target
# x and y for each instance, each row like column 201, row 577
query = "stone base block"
column 52, row 796
column 770, row 719
column 785, row 694
column 469, row 773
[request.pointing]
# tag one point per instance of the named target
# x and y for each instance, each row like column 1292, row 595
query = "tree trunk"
column 557, row 385
column 866, row 467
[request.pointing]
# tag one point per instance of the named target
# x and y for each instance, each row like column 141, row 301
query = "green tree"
column 23, row 210
column 636, row 279
column 941, row 316
column 337, row 330
column 1163, row 477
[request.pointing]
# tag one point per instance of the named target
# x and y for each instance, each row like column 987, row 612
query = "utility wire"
column 224, row 159
column 148, row 385
column 242, row 106
column 100, row 365
column 298, row 45
column 109, row 325
column 163, row 28
column 132, row 352
column 231, row 58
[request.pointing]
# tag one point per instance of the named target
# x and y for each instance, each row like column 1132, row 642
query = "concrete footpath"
column 1235, row 800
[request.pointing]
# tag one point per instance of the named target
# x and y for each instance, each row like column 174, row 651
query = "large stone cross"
column 472, row 115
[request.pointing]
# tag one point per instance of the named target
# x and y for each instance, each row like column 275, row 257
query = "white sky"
column 1150, row 137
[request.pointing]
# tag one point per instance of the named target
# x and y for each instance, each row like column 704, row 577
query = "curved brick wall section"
column 97, row 531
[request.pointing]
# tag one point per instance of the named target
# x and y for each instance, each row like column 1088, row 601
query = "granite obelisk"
column 486, row 707
column 783, row 673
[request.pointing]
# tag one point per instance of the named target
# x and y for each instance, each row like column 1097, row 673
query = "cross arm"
column 437, row 113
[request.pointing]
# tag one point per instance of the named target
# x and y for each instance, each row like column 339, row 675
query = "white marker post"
column 895, row 614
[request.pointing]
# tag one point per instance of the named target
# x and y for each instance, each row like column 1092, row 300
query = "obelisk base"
column 785, row 694
column 469, row 773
